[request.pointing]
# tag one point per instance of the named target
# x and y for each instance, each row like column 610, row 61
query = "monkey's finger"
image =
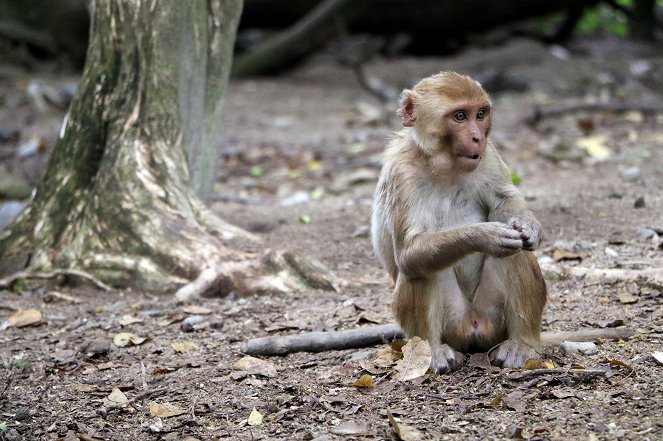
column 508, row 233
column 513, row 244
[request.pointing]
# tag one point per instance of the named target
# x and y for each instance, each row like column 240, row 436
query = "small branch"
column 6, row 283
column 540, row 114
column 369, row 336
column 555, row 338
column 322, row 341
column 584, row 373
column 140, row 397
column 652, row 274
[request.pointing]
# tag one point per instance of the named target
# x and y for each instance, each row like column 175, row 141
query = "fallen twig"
column 540, row 114
column 585, row 373
column 140, row 397
column 6, row 283
column 356, row 338
column 651, row 274
column 322, row 341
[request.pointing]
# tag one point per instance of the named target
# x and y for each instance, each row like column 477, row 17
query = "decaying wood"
column 357, row 338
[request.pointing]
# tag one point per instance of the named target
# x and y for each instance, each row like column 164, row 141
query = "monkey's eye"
column 481, row 114
column 460, row 115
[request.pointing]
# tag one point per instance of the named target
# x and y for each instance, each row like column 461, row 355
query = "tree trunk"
column 117, row 200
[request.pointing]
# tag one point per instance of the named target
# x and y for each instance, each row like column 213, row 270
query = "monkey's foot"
column 512, row 354
column 445, row 359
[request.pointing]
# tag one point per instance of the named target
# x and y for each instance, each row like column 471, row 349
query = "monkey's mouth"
column 474, row 156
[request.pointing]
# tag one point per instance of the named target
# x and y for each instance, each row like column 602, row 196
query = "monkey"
column 453, row 231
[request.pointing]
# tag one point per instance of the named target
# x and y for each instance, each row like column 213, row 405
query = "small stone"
column 639, row 202
column 97, row 346
column 189, row 322
column 576, row 347
column 646, row 233
column 631, row 174
column 216, row 323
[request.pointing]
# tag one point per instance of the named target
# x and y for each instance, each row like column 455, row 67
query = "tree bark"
column 117, row 199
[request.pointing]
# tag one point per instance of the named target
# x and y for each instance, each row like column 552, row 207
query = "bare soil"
column 302, row 137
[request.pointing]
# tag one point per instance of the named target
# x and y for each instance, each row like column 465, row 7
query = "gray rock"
column 577, row 347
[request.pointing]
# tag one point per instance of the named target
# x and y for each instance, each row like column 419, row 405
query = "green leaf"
column 305, row 219
column 516, row 179
column 257, row 171
column 3, row 426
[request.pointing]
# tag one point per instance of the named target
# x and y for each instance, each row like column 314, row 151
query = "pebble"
column 576, row 347
column 631, row 174
column 639, row 202
column 189, row 322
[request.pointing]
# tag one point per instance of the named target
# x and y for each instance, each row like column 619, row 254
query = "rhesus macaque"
column 454, row 232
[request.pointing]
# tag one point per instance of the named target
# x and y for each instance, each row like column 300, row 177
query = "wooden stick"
column 373, row 335
column 559, row 371
column 322, row 341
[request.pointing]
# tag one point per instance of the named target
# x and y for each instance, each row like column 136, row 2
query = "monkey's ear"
column 406, row 110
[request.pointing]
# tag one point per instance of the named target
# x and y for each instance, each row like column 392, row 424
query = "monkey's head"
column 448, row 114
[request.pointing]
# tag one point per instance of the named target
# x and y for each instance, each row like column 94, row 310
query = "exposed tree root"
column 356, row 338
column 6, row 282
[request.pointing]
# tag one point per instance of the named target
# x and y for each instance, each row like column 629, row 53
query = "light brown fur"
column 453, row 231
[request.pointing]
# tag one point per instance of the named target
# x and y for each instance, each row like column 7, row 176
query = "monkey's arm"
column 506, row 204
column 426, row 253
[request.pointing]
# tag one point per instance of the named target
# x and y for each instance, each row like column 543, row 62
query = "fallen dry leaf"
column 196, row 310
column 560, row 254
column 416, row 360
column 497, row 400
column 255, row 418
column 350, row 428
column 127, row 339
column 564, row 393
column 620, row 364
column 25, row 317
column 535, row 363
column 129, row 319
column 628, row 299
column 515, row 401
column 165, row 410
column 595, row 146
column 255, row 366
column 403, row 431
column 117, row 396
column 184, row 346
column 365, row 381
column 658, row 357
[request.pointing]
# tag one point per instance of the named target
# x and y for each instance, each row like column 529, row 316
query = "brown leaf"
column 535, row 363
column 403, row 431
column 25, row 317
column 255, row 366
column 117, row 396
column 416, row 360
column 165, row 410
column 515, row 401
column 497, row 400
column 620, row 364
column 365, row 381
column 127, row 339
column 560, row 254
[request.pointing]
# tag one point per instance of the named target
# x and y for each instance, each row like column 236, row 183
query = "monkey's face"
column 467, row 128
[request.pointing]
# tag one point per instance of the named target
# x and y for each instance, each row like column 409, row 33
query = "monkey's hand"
column 498, row 239
column 445, row 359
column 529, row 228
column 512, row 354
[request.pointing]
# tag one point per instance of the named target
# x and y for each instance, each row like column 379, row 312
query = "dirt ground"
column 300, row 160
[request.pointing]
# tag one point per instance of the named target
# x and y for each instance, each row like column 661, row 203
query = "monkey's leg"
column 518, row 281
column 428, row 308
